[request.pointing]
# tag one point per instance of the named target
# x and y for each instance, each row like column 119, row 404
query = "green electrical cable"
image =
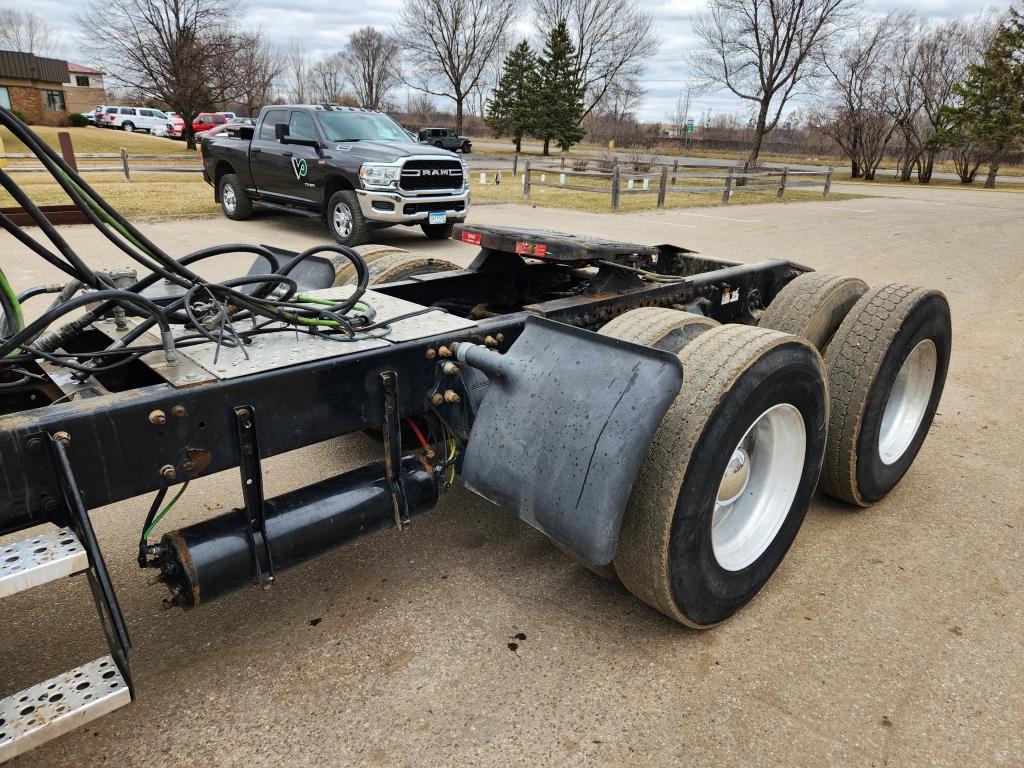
column 12, row 297
column 164, row 511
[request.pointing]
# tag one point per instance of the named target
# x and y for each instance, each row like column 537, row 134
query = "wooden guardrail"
column 725, row 180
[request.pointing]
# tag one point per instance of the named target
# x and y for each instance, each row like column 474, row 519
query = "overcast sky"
column 323, row 25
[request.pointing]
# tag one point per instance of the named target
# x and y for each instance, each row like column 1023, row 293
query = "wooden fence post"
column 515, row 163
column 124, row 164
column 675, row 170
column 66, row 150
column 662, row 186
column 742, row 180
column 526, row 181
column 782, row 183
column 561, row 167
column 615, row 186
column 828, row 184
column 728, row 187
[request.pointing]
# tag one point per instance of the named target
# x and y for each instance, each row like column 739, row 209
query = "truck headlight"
column 377, row 174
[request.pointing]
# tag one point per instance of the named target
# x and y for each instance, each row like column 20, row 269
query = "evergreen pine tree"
column 510, row 109
column 991, row 112
column 559, row 92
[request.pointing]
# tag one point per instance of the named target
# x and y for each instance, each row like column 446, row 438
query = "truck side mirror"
column 281, row 131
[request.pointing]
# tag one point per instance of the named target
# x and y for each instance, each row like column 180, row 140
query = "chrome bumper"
column 367, row 197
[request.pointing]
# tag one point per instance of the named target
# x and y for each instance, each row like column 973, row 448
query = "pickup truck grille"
column 431, row 175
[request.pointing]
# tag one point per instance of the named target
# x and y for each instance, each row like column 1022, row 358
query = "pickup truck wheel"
column 234, row 200
column 438, row 231
column 729, row 475
column 886, row 370
column 465, row 147
column 345, row 219
column 127, row 127
column 812, row 306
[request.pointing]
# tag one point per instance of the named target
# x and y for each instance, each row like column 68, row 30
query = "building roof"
column 25, row 66
column 81, row 69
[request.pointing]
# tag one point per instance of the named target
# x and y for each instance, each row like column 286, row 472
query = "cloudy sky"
column 323, row 26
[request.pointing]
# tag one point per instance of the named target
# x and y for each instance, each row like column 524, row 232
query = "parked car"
column 206, row 120
column 445, row 138
column 133, row 118
column 91, row 115
column 241, row 121
column 104, row 116
column 175, row 125
column 354, row 169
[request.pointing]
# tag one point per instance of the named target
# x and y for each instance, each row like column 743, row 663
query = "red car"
column 206, row 120
column 175, row 125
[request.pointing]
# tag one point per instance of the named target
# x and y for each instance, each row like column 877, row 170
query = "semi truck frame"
column 664, row 417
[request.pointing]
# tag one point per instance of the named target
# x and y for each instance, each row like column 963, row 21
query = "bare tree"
column 27, row 32
column 370, row 64
column 764, row 51
column 296, row 71
column 257, row 71
column 182, row 53
column 450, row 44
column 327, row 80
column 612, row 39
column 853, row 112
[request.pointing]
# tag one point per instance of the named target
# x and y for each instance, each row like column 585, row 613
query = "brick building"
column 84, row 88
column 34, row 86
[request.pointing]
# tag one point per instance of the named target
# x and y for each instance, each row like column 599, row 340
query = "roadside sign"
column 689, row 126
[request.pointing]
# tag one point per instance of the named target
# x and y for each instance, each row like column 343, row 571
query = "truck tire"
column 886, row 370
column 127, row 126
column 345, row 273
column 667, row 329
column 345, row 219
column 812, row 306
column 234, row 200
column 465, row 147
column 438, row 231
column 400, row 266
column 729, row 475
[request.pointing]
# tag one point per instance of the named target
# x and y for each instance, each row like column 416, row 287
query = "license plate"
column 437, row 217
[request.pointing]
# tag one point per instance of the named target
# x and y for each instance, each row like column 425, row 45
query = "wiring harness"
column 207, row 311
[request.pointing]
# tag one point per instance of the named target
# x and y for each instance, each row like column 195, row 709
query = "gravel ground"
column 888, row 637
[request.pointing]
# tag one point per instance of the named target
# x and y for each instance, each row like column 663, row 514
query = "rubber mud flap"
column 563, row 428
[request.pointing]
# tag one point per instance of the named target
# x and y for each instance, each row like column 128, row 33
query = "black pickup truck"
column 354, row 169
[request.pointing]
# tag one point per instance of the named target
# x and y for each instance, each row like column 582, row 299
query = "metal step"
column 44, row 557
column 51, row 709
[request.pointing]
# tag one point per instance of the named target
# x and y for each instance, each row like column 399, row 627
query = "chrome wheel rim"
column 227, row 195
column 758, row 487
column 908, row 402
column 342, row 218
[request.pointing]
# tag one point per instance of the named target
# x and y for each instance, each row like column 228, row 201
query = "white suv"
column 133, row 118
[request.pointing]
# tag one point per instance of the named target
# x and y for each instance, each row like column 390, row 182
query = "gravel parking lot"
column 889, row 636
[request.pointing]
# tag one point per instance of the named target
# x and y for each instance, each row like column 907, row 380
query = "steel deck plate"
column 43, row 712
column 49, row 555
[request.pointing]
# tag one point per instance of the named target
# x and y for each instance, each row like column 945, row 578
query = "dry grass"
column 100, row 140
column 153, row 195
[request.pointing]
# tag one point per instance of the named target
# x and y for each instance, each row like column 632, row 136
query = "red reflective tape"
column 524, row 248
column 473, row 238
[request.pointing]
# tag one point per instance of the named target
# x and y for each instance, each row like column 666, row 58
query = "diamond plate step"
column 59, row 705
column 44, row 557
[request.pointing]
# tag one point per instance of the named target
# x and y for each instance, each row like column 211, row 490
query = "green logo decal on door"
column 300, row 168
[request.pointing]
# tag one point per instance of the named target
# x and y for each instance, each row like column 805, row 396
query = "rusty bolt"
column 500, row 337
column 437, row 399
column 445, row 352
column 431, row 353
column 490, row 341
column 35, row 445
column 63, row 437
column 168, row 473
column 178, row 411
column 450, row 396
column 157, row 417
column 450, row 369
